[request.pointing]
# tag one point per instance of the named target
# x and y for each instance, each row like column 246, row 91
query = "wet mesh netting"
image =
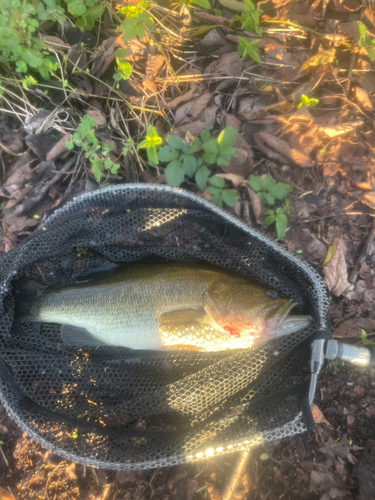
column 124, row 409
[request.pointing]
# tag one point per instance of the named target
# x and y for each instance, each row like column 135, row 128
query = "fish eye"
column 272, row 294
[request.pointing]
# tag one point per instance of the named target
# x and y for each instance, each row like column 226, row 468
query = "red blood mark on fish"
column 232, row 331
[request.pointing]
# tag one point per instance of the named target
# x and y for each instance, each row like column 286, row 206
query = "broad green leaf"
column 281, row 223
column 174, row 173
column 108, row 163
column 94, row 12
column 269, row 220
column 262, row 198
column 209, row 158
column 81, row 23
column 166, row 153
column 279, row 191
column 280, row 210
column 228, row 151
column 214, row 190
column 211, row 146
column 267, row 182
column 194, row 147
column 201, row 176
column 255, row 182
column 142, row 144
column 174, row 141
column 217, row 199
column 205, row 135
column 223, row 160
column 226, row 139
column 205, row 4
column 371, row 53
column 217, row 182
column 229, row 197
column 124, row 67
column 188, row 164
column 69, row 145
column 270, row 199
column 152, row 155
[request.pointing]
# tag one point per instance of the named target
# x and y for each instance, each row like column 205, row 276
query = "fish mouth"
column 279, row 312
column 283, row 324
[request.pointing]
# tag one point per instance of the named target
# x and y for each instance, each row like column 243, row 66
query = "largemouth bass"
column 164, row 306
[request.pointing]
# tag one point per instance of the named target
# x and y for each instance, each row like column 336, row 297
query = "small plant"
column 246, row 49
column 127, row 147
column 216, row 151
column 180, row 161
column 365, row 41
column 250, row 19
column 309, row 102
column 268, row 190
column 219, row 193
column 279, row 217
column 89, row 16
column 96, row 152
column 152, row 144
column 124, row 68
column 365, row 340
column 137, row 20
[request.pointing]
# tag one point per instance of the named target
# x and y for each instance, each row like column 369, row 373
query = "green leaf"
column 81, row 23
column 166, row 153
column 229, row 197
column 188, row 164
column 152, row 155
column 371, row 53
column 267, row 182
column 124, row 68
column 226, row 139
column 214, row 190
column 201, row 176
column 211, row 146
column 174, row 173
column 255, row 182
column 209, row 158
column 269, row 220
column 280, row 210
column 205, row 135
column 281, row 223
column 174, row 141
column 368, row 342
column 205, row 4
column 223, row 160
column 108, row 163
column 217, row 182
column 262, row 198
column 142, row 144
column 69, row 145
column 194, row 148
column 270, row 199
column 217, row 199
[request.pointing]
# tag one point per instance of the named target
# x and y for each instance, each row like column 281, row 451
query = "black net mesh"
column 123, row 409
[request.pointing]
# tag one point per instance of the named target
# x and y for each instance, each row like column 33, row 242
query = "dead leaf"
column 105, row 55
column 228, row 64
column 58, row 148
column 153, row 67
column 205, row 16
column 183, row 98
column 321, row 481
column 207, row 119
column 318, row 416
column 255, row 205
column 98, row 116
column 335, row 272
column 192, row 109
column 362, row 97
column 351, row 328
column 236, row 180
column 54, row 42
column 324, row 57
column 278, row 149
column 136, row 50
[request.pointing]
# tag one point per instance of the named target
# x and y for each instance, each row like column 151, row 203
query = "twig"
column 236, row 474
column 5, row 458
column 363, row 255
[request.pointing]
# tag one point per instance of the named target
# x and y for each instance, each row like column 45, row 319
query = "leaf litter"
column 304, row 116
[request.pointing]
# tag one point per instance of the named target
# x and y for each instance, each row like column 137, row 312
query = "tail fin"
column 27, row 296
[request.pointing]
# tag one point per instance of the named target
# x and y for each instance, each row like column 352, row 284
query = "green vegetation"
column 204, row 4
column 365, row 41
column 308, row 102
column 364, row 338
column 136, row 22
column 95, row 151
column 152, row 144
column 210, row 151
column 248, row 49
column 268, row 191
column 250, row 19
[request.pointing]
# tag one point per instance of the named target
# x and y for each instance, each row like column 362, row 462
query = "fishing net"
column 125, row 409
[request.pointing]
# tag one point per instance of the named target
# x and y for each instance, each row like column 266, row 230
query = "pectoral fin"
column 78, row 337
column 182, row 318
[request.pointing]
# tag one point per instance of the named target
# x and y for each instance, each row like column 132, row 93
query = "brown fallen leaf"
column 324, row 57
column 335, row 271
column 228, row 64
column 205, row 16
column 236, row 180
column 255, row 205
column 153, row 67
column 207, row 119
column 183, row 98
column 321, row 481
column 363, row 98
column 106, row 54
column 192, row 109
column 278, row 149
column 58, row 148
column 318, row 416
column 98, row 116
column 351, row 328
